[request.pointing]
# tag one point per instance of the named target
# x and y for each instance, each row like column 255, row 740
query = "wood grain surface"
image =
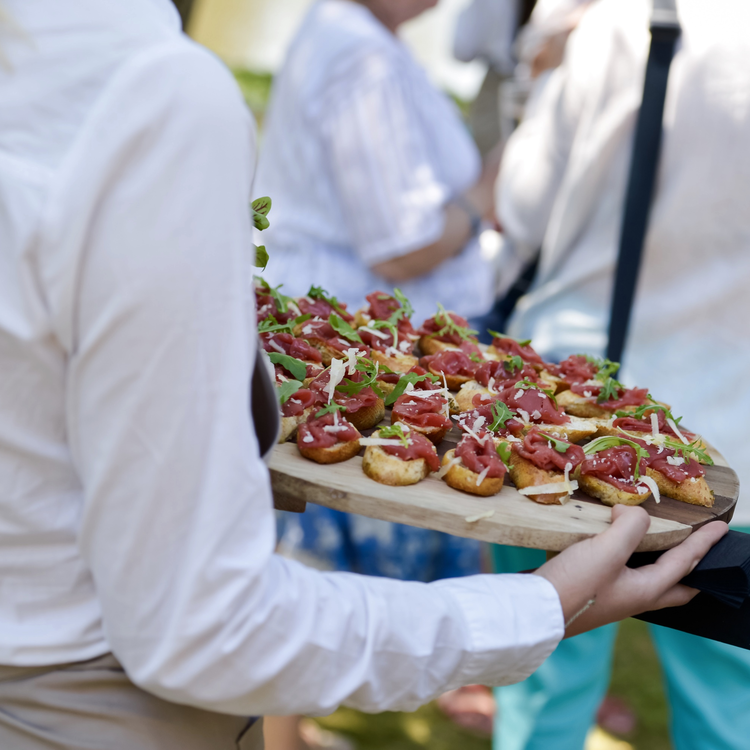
column 515, row 519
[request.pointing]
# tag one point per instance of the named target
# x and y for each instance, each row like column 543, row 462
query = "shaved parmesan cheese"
column 391, row 352
column 536, row 414
column 425, row 394
column 651, row 485
column 481, row 477
column 405, row 347
column 373, row 331
column 282, row 379
column 335, row 427
column 351, row 359
column 474, row 519
column 338, row 370
column 455, row 461
column 519, row 394
column 675, row 460
column 445, row 382
column 307, row 330
column 654, row 424
column 479, row 423
column 275, row 346
column 672, row 424
column 294, row 401
column 587, row 394
column 308, row 438
column 491, row 385
column 405, row 427
column 474, row 434
column 379, row 441
column 524, row 416
column 554, row 488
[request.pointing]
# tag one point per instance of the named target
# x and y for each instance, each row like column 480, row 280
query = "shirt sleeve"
column 390, row 191
column 177, row 525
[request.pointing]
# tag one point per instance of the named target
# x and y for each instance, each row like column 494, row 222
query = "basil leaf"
column 261, row 256
column 291, row 364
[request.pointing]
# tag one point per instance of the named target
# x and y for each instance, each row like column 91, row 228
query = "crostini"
column 328, row 439
column 474, row 466
column 396, row 456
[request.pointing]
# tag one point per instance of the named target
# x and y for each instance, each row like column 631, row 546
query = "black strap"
column 665, row 29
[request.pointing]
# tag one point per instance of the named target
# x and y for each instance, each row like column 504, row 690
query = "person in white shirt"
column 561, row 187
column 375, row 179
column 142, row 605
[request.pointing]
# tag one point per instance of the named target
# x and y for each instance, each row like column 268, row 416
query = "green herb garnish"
column 406, row 309
column 644, row 409
column 259, row 209
column 343, row 328
column 528, row 385
column 514, row 364
column 498, row 335
column 271, row 325
column 317, row 292
column 286, row 390
column 450, row 327
column 503, row 450
column 559, row 445
column 394, row 431
column 610, row 390
column 291, row 364
column 500, row 415
column 371, row 371
column 612, row 441
column 403, row 381
column 281, row 300
column 330, row 409
column 392, row 328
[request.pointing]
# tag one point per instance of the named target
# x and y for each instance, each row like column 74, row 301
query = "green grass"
column 636, row 679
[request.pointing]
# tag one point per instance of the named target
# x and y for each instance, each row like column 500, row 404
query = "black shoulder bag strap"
column 665, row 30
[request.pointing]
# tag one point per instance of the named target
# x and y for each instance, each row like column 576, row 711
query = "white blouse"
column 135, row 512
column 360, row 155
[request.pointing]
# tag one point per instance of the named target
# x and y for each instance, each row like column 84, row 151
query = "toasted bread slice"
column 364, row 419
column 289, row 425
column 695, row 493
column 552, row 381
column 605, row 427
column 580, row 406
column 574, row 431
column 465, row 395
column 333, row 455
column 608, row 494
column 402, row 363
column 431, row 345
column 454, row 382
column 526, row 474
column 461, row 478
column 387, row 469
column 433, row 434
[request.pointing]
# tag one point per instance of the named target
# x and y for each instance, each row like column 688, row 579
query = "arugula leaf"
column 528, row 385
column 498, row 335
column 645, row 409
column 692, row 450
column 292, row 364
column 559, row 445
column 343, row 328
column 261, row 257
column 403, row 381
column 612, row 441
column 406, row 309
column 317, row 292
column 271, row 325
column 281, row 300
column 286, row 390
column 449, row 326
column 500, row 415
column 330, row 409
column 514, row 364
column 610, row 390
column 394, row 431
column 476, row 359
column 503, row 450
column 392, row 328
column 371, row 371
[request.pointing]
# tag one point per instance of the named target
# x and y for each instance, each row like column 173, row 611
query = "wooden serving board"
column 515, row 519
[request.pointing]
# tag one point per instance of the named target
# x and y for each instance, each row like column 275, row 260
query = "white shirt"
column 485, row 29
column 360, row 155
column 562, row 185
column 135, row 513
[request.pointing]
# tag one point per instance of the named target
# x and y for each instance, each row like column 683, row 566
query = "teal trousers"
column 707, row 685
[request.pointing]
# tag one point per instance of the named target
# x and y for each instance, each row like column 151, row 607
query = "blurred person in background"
column 375, row 179
column 562, row 187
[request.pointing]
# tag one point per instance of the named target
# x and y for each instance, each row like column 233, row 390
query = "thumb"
column 619, row 541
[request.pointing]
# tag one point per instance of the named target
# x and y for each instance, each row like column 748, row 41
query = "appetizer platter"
column 422, row 424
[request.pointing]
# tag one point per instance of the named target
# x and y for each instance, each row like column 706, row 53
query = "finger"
column 676, row 563
column 629, row 526
column 677, row 596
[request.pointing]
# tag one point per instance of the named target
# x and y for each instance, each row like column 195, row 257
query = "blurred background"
column 252, row 37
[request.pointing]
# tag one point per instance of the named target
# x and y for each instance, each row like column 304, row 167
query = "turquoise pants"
column 707, row 685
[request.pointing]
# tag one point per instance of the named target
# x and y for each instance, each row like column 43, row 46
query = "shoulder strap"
column 665, row 30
